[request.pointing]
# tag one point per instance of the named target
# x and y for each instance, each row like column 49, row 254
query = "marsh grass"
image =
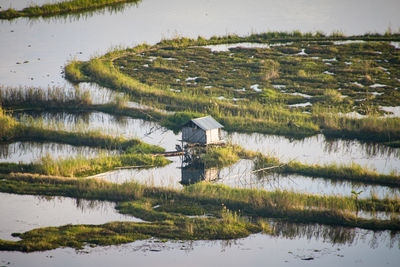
column 51, row 97
column 60, row 8
column 221, row 156
column 81, row 166
column 350, row 172
column 219, row 74
column 290, row 206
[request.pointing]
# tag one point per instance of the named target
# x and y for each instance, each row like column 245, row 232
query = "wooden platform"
column 170, row 153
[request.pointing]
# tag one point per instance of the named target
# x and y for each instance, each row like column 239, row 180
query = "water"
column 21, row 213
column 326, row 245
column 27, row 152
column 319, row 150
column 49, row 43
column 312, row 150
column 127, row 127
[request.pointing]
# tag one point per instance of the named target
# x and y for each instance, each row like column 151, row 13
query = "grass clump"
column 217, row 156
column 81, row 166
column 60, row 8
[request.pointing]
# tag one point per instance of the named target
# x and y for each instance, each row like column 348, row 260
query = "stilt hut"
column 202, row 131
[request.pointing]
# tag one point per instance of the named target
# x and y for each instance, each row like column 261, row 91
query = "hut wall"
column 193, row 135
column 213, row 136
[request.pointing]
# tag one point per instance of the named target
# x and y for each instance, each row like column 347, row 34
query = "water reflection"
column 334, row 234
column 349, row 248
column 310, row 150
column 20, row 213
column 320, row 150
column 315, row 149
column 127, row 127
column 70, row 17
column 197, row 172
column 27, row 152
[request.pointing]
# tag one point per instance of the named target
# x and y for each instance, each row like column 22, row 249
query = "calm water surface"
column 28, row 152
column 46, row 45
column 293, row 244
column 20, row 213
column 316, row 149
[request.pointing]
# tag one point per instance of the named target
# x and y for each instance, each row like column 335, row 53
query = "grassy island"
column 62, row 8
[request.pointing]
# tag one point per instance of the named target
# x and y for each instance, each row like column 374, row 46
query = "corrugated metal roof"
column 207, row 123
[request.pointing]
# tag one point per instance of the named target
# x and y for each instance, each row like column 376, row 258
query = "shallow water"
column 127, row 127
column 318, row 149
column 326, row 246
column 315, row 149
column 20, row 213
column 28, row 152
column 48, row 44
column 240, row 175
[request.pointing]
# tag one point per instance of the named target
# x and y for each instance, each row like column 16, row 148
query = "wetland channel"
column 43, row 46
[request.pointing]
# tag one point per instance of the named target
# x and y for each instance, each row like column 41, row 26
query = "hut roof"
column 206, row 123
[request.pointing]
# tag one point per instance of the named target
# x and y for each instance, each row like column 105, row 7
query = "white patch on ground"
column 226, row 47
column 348, row 63
column 376, row 93
column 191, row 79
column 302, row 53
column 329, row 73
column 395, row 44
column 315, row 57
column 146, row 65
column 357, row 84
column 169, row 58
column 394, row 110
column 256, row 88
column 279, row 86
column 241, row 90
column 151, row 59
column 329, row 59
column 329, row 64
column 300, row 94
column 377, row 85
column 348, row 42
column 382, row 68
column 175, row 90
column 237, row 99
column 353, row 115
column 300, row 105
column 379, row 52
column 281, row 44
column 208, row 87
column 221, row 98
column 178, row 80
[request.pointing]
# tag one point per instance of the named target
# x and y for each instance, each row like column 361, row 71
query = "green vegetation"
column 61, row 8
column 12, row 131
column 82, row 167
column 217, row 156
column 352, row 172
column 251, row 89
column 202, row 198
column 175, row 227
